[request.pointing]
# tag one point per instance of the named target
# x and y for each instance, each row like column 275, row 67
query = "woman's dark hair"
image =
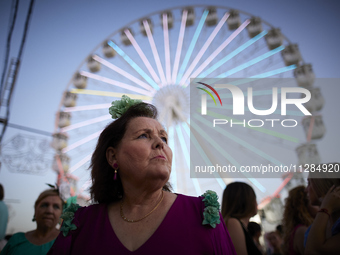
column 239, row 200
column 104, row 189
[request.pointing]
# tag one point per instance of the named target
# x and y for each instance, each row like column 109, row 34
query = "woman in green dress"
column 47, row 210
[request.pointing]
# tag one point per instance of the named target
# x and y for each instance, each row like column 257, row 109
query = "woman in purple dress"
column 135, row 212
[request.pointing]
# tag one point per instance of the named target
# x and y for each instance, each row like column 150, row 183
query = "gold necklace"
column 132, row 221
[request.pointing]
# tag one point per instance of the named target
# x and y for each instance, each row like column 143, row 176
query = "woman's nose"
column 158, row 144
column 50, row 209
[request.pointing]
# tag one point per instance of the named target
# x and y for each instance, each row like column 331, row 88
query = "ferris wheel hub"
column 172, row 103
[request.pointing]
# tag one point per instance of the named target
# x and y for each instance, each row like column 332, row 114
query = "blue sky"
column 63, row 33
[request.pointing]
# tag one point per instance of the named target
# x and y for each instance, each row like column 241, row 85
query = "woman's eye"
column 165, row 139
column 143, row 136
column 56, row 207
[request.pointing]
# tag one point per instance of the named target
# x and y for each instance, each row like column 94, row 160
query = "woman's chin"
column 161, row 175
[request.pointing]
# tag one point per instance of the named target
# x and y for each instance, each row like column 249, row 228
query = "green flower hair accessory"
column 119, row 107
column 211, row 211
column 68, row 216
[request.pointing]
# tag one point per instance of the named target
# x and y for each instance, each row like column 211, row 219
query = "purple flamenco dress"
column 181, row 232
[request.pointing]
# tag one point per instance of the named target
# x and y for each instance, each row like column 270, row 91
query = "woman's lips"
column 160, row 156
column 48, row 218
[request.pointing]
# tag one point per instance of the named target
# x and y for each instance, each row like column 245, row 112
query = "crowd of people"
column 133, row 209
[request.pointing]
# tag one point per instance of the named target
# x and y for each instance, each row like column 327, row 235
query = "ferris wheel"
column 154, row 58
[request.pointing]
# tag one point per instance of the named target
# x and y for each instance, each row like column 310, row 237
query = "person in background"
column 3, row 218
column 135, row 212
column 238, row 206
column 279, row 230
column 297, row 217
column 275, row 242
column 47, row 210
column 255, row 231
column 323, row 237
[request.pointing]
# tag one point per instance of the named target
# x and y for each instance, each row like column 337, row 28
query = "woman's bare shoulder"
column 234, row 225
column 233, row 222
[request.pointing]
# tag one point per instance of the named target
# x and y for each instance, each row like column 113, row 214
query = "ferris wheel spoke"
column 133, row 65
column 166, row 47
column 204, row 48
column 116, row 83
column 203, row 155
column 154, row 51
column 124, row 73
column 223, row 152
column 80, row 163
column 263, row 75
column 192, row 45
column 110, row 94
column 179, row 46
column 73, row 177
column 208, row 154
column 186, row 156
column 174, row 159
column 81, row 142
column 239, row 141
column 183, row 145
column 59, row 164
column 86, row 107
column 86, row 184
column 274, row 72
column 251, row 62
column 86, row 123
column 229, row 56
column 142, row 56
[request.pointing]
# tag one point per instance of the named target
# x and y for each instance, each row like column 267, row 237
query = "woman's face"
column 313, row 198
column 48, row 211
column 143, row 154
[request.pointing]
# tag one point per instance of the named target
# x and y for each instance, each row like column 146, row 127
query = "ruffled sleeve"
column 212, row 208
column 68, row 216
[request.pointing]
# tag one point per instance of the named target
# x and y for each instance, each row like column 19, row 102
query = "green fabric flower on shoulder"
column 212, row 208
column 119, row 107
column 211, row 216
column 68, row 216
column 211, row 199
